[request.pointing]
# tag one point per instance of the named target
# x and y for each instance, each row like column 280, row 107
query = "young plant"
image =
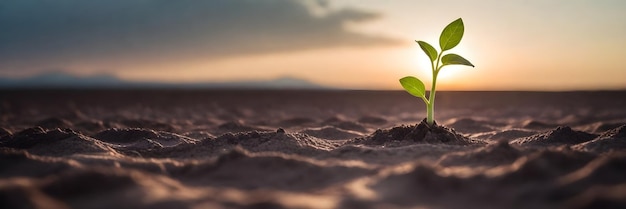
column 450, row 38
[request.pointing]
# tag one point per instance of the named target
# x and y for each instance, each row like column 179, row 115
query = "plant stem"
column 430, row 107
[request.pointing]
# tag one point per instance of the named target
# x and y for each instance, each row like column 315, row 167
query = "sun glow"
column 449, row 76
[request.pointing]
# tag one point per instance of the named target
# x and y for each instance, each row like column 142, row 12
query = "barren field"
column 310, row 149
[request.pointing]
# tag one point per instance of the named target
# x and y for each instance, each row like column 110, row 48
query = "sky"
column 357, row 44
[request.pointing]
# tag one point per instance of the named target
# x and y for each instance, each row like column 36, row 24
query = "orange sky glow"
column 515, row 45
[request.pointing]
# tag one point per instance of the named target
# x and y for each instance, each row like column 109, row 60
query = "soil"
column 310, row 149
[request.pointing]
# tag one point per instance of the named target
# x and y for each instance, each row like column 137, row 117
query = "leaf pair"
column 450, row 37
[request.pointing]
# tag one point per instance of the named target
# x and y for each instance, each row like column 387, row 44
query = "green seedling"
column 450, row 38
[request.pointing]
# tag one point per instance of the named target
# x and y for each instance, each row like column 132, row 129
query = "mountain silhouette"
column 59, row 79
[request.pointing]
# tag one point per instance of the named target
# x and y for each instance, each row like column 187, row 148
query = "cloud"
column 57, row 32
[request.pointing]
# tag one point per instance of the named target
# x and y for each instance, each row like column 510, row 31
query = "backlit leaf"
column 454, row 59
column 414, row 86
column 429, row 50
column 451, row 35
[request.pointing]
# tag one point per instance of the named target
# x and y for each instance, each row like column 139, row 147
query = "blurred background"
column 348, row 44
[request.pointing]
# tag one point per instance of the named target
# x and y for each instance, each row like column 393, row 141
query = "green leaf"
column 454, row 59
column 429, row 50
column 414, row 86
column 451, row 35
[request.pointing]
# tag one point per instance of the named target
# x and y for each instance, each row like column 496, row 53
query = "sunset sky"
column 357, row 44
